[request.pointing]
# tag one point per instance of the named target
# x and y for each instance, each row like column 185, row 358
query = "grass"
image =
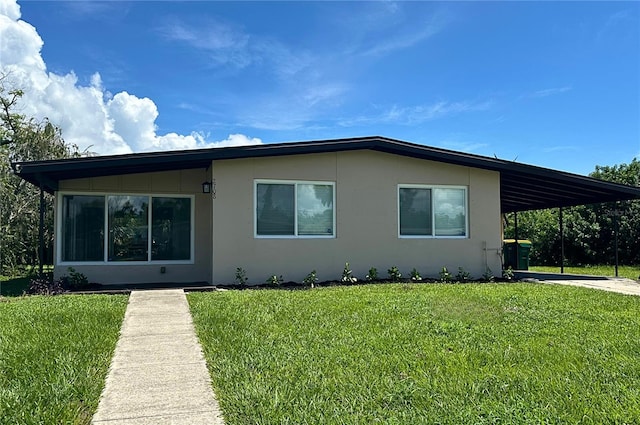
column 54, row 356
column 423, row 354
column 13, row 286
column 630, row 272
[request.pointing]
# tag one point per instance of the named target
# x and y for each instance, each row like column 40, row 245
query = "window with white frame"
column 294, row 209
column 138, row 228
column 432, row 211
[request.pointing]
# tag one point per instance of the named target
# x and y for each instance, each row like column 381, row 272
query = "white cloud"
column 223, row 43
column 560, row 148
column 412, row 115
column 406, row 39
column 298, row 84
column 377, row 29
column 89, row 116
column 10, row 9
column 462, row 146
column 551, row 91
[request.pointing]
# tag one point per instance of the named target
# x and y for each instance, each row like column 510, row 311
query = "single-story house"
column 290, row 208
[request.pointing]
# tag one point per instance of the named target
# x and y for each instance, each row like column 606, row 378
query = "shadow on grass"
column 14, row 287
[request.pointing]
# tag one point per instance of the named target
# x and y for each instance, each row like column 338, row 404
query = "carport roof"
column 522, row 187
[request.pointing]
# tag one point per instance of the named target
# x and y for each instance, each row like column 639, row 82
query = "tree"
column 588, row 229
column 23, row 139
column 628, row 222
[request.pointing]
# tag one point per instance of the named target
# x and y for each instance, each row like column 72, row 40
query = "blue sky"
column 551, row 84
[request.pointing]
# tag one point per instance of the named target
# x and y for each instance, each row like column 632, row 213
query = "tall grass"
column 54, row 356
column 423, row 354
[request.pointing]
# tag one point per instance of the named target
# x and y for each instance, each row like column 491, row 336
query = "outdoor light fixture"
column 206, row 187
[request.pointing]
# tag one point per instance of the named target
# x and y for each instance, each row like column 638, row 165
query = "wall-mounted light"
column 209, row 187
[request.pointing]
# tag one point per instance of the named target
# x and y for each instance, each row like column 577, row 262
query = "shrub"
column 445, row 276
column 488, row 276
column 463, row 276
column 415, row 275
column 347, row 275
column 311, row 279
column 76, row 281
column 394, row 274
column 508, row 274
column 241, row 276
column 274, row 280
column 44, row 286
column 373, row 274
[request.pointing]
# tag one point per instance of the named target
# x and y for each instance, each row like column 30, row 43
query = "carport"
column 522, row 190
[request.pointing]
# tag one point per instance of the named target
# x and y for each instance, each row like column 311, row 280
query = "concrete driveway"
column 611, row 284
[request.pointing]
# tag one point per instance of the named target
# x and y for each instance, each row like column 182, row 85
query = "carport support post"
column 515, row 225
column 41, row 234
column 561, row 242
column 615, row 238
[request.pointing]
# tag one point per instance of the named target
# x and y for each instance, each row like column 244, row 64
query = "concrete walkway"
column 158, row 374
column 611, row 284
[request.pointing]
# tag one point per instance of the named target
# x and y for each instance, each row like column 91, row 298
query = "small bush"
column 274, row 280
column 415, row 275
column 372, row 275
column 44, row 286
column 241, row 276
column 394, row 274
column 76, row 281
column 311, row 279
column 488, row 276
column 463, row 276
column 347, row 275
column 445, row 276
column 508, row 274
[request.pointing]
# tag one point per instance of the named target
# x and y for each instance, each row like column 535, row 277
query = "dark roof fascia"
column 94, row 166
column 544, row 186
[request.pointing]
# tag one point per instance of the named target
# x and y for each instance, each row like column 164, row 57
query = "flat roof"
column 522, row 187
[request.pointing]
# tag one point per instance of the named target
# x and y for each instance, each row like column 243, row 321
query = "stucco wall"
column 185, row 182
column 366, row 218
column 366, row 185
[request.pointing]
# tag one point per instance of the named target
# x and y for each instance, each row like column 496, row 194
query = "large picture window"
column 139, row 228
column 432, row 211
column 128, row 228
column 295, row 209
column 82, row 228
column 171, row 228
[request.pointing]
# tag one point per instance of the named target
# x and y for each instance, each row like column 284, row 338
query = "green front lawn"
column 422, row 354
column 630, row 272
column 54, row 356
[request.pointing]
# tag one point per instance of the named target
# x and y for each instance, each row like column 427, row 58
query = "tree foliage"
column 589, row 230
column 24, row 139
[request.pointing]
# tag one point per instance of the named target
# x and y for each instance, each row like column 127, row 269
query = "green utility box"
column 516, row 253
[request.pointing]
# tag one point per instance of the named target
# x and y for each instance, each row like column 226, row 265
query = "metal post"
column 615, row 229
column 1, row 244
column 515, row 225
column 41, row 234
column 561, row 243
column 615, row 214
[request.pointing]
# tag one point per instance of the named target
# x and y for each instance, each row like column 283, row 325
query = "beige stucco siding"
column 184, row 182
column 366, row 232
column 366, row 185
